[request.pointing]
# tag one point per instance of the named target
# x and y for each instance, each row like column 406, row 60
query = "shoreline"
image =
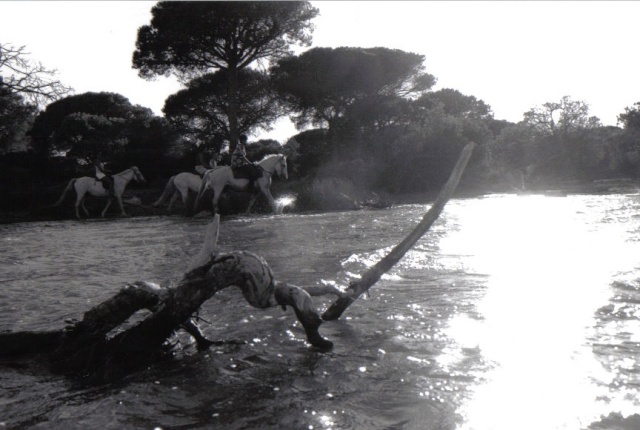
column 133, row 200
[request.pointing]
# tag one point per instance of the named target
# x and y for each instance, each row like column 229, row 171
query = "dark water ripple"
column 432, row 347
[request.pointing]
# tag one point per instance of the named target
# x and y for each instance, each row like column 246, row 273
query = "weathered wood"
column 110, row 314
column 87, row 343
column 25, row 342
column 371, row 276
column 209, row 245
column 92, row 346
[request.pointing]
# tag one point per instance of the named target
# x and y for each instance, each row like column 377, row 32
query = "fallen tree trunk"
column 371, row 276
column 94, row 347
column 90, row 344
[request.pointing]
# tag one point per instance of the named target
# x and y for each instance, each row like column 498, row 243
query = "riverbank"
column 34, row 203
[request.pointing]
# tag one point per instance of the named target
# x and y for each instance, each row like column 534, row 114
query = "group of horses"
column 183, row 184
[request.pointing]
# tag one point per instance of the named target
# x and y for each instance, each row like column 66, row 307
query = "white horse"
column 221, row 177
column 179, row 185
column 87, row 184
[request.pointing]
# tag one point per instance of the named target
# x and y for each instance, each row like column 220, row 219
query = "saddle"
column 247, row 171
column 106, row 182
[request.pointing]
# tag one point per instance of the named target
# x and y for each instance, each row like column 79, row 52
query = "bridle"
column 282, row 162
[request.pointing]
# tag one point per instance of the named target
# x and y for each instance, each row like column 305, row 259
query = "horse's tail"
column 169, row 189
column 203, row 187
column 64, row 193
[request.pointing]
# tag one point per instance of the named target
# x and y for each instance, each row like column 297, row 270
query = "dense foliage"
column 15, row 118
column 192, row 38
column 82, row 126
column 200, row 112
column 323, row 84
column 370, row 122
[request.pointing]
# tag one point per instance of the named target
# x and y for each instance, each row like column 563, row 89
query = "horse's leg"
column 79, row 201
column 122, row 211
column 84, row 207
column 252, row 200
column 185, row 198
column 300, row 301
column 272, row 202
column 200, row 192
column 174, row 197
column 104, row 211
column 217, row 192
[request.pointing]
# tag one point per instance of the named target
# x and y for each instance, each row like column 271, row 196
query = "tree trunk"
column 232, row 114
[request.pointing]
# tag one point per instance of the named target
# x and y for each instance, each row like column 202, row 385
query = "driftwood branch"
column 371, row 276
column 92, row 344
column 99, row 347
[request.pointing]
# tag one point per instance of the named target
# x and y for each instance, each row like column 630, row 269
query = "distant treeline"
column 373, row 125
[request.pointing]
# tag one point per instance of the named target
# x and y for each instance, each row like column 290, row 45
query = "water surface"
column 512, row 312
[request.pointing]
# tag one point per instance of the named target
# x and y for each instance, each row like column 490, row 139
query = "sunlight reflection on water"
column 285, row 202
column 513, row 312
column 548, row 271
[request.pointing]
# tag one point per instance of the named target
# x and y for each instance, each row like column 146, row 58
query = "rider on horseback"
column 103, row 175
column 240, row 164
column 205, row 160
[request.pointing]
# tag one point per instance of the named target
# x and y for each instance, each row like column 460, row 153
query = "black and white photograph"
column 319, row 215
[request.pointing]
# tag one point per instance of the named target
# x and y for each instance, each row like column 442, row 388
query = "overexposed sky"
column 512, row 55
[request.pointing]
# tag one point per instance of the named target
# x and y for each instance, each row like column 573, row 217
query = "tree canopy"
column 191, row 38
column 560, row 118
column 14, row 117
column 83, row 125
column 321, row 84
column 200, row 112
column 455, row 103
column 630, row 119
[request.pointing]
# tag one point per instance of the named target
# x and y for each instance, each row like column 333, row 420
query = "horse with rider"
column 245, row 176
column 103, row 183
column 241, row 166
column 103, row 175
column 240, row 174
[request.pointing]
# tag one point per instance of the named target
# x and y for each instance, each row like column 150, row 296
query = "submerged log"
column 94, row 346
column 371, row 276
column 26, row 342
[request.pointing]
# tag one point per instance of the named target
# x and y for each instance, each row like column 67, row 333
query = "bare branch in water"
column 371, row 276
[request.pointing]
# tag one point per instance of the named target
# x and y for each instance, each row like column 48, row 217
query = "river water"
column 512, row 312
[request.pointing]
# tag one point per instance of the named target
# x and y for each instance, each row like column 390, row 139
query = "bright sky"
column 512, row 55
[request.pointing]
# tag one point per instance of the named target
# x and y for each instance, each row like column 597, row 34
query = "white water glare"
column 548, row 272
column 285, row 201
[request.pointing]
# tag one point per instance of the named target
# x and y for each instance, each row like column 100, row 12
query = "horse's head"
column 137, row 175
column 275, row 163
column 281, row 166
